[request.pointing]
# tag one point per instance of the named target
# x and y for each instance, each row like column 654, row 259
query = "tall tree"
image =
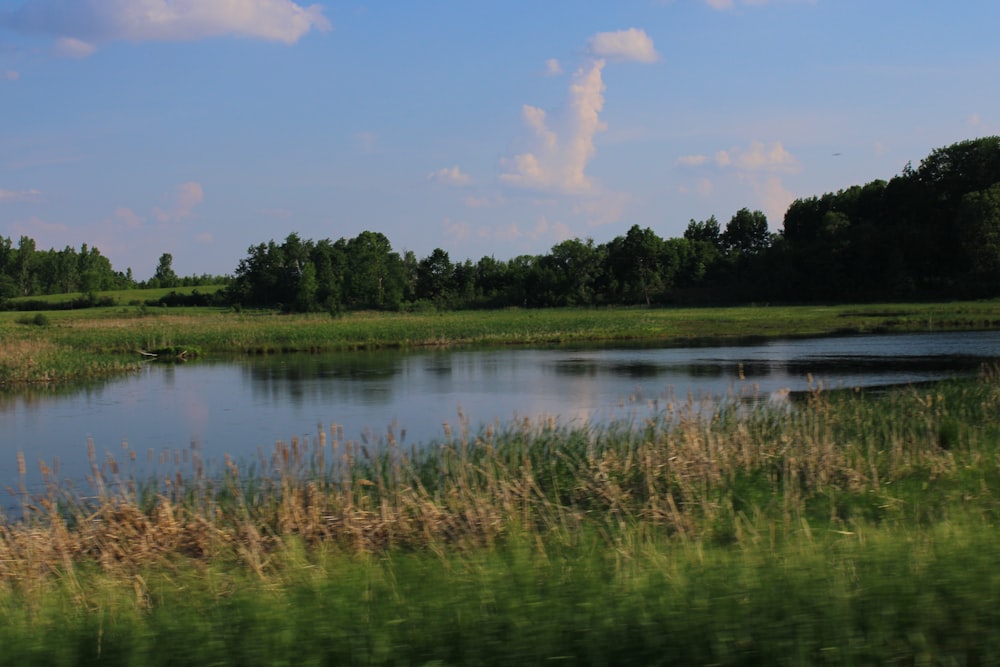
column 164, row 274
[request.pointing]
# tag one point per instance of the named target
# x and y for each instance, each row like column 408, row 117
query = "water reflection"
column 237, row 405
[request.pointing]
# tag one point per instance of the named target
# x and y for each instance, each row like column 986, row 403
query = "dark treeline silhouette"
column 929, row 233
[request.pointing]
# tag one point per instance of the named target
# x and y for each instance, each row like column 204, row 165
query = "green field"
column 86, row 343
column 848, row 530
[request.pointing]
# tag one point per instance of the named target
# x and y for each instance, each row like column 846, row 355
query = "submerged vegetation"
column 845, row 529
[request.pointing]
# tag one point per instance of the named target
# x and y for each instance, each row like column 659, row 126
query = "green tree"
column 164, row 274
column 435, row 277
column 746, row 233
column 979, row 231
column 374, row 278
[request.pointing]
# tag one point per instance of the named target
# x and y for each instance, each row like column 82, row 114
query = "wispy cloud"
column 755, row 158
column 450, row 176
column 81, row 25
column 184, row 200
column 129, row 217
column 366, row 141
column 10, row 75
column 71, row 47
column 723, row 5
column 18, row 195
column 553, row 67
column 559, row 149
column 757, row 166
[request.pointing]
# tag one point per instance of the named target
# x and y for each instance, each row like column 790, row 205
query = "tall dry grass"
column 696, row 472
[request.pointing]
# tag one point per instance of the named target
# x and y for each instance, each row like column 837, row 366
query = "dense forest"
column 928, row 233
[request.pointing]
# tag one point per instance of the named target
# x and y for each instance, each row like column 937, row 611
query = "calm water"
column 239, row 406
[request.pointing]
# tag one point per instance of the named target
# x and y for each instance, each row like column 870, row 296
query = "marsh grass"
column 849, row 529
column 91, row 342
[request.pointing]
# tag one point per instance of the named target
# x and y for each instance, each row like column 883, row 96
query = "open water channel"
column 244, row 405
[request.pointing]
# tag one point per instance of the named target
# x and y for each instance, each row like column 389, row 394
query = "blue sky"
column 201, row 127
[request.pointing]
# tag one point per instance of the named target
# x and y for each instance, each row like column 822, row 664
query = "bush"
column 39, row 320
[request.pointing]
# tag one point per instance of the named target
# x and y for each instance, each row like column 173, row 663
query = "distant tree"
column 635, row 262
column 164, row 274
column 435, row 277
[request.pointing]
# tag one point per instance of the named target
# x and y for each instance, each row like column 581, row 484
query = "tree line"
column 931, row 232
column 26, row 271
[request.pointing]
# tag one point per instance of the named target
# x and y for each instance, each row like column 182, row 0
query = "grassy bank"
column 72, row 344
column 849, row 530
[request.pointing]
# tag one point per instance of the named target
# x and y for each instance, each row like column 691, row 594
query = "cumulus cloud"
column 624, row 45
column 81, row 25
column 553, row 67
column 450, row 176
column 758, row 157
column 559, row 148
column 18, row 195
column 185, row 199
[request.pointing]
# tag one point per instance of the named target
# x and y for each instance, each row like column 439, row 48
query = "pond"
column 245, row 405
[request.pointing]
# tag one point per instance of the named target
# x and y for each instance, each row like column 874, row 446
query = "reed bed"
column 842, row 529
column 110, row 339
column 695, row 471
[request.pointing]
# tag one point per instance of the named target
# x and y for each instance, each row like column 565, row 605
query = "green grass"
column 112, row 337
column 122, row 297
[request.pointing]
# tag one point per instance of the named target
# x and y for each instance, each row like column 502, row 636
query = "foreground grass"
column 848, row 530
column 77, row 344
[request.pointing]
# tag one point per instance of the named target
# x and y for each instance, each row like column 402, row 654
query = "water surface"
column 242, row 405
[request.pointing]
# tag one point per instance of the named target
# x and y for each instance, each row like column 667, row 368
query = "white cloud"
column 560, row 148
column 450, row 176
column 758, row 157
column 557, row 158
column 80, row 25
column 761, row 158
column 70, row 47
column 552, row 67
column 11, row 75
column 632, row 45
column 185, row 199
column 18, row 195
